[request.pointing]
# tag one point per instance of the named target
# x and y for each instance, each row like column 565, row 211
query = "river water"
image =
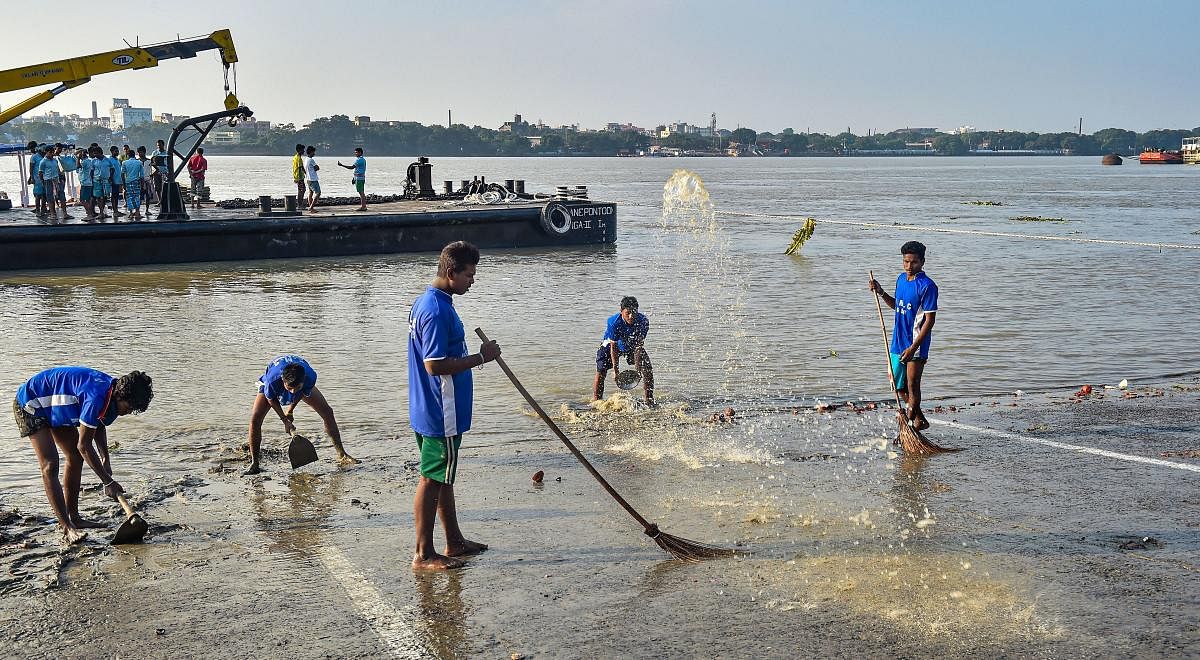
column 733, row 318
column 734, row 321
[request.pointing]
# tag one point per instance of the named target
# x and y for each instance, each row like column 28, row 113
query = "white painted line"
column 389, row 623
column 1062, row 445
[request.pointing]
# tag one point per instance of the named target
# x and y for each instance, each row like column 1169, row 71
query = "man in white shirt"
column 312, row 178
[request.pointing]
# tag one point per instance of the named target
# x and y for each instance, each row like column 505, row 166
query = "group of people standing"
column 135, row 176
column 306, row 174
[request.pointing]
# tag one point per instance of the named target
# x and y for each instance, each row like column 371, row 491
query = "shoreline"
column 936, row 555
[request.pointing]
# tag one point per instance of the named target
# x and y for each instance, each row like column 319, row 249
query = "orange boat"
column 1161, row 157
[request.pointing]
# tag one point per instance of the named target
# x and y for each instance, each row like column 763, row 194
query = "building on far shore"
column 124, row 115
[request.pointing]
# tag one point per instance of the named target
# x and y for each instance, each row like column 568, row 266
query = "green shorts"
column 439, row 458
column 360, row 185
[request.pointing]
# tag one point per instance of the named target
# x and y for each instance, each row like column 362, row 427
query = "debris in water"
column 801, row 237
column 1084, row 391
column 537, row 476
column 1036, row 218
column 724, row 417
column 1124, row 384
column 984, row 202
column 1183, row 453
column 1142, row 543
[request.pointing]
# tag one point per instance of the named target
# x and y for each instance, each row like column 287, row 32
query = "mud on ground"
column 1010, row 548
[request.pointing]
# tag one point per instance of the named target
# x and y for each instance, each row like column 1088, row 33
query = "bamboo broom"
column 911, row 440
column 679, row 548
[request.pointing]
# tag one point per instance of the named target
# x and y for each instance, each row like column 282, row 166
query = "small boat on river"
column 1161, row 157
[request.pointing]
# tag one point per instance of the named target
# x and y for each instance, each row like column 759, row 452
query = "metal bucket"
column 628, row 379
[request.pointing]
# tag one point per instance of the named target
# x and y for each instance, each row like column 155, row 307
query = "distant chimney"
column 95, row 115
column 517, row 120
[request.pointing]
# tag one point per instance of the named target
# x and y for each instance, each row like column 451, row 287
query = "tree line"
column 340, row 134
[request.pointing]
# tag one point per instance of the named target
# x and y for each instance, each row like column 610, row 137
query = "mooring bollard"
column 264, row 205
column 520, row 189
column 466, row 184
column 447, row 187
column 509, row 184
column 289, row 203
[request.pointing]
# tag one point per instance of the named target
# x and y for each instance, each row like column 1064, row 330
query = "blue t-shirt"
column 271, row 383
column 86, row 170
column 627, row 336
column 68, row 162
column 438, row 406
column 49, row 168
column 69, row 396
column 360, row 169
column 101, row 170
column 35, row 164
column 114, row 169
column 133, row 170
column 913, row 300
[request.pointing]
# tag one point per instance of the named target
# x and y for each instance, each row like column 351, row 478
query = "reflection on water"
column 443, row 614
column 297, row 520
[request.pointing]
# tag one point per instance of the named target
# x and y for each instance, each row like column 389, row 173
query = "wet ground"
column 1013, row 547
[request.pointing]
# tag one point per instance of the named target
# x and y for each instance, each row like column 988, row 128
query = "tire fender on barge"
column 556, row 219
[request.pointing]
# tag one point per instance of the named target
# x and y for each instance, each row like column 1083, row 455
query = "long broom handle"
column 886, row 350
column 562, row 436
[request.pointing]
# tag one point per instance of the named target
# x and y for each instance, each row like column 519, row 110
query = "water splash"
column 707, row 312
column 684, row 195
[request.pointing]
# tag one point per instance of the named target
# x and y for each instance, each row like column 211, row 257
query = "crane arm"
column 76, row 71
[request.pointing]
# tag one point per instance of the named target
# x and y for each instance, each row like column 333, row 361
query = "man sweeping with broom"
column 915, row 303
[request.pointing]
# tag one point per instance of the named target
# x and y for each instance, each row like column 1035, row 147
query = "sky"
column 768, row 65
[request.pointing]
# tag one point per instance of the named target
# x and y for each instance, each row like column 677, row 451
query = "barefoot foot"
column 464, row 548
column 254, row 469
column 435, row 562
column 347, row 459
column 83, row 523
column 72, row 536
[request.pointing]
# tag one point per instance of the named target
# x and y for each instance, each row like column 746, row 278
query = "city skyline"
column 819, row 67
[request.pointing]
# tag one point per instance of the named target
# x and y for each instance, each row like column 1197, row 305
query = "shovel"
column 133, row 530
column 300, row 451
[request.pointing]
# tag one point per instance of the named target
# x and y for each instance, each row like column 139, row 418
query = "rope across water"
column 947, row 230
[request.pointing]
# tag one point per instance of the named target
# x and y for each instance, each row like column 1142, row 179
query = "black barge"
column 216, row 234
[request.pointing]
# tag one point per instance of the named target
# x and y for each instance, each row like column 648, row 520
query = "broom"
column 911, row 440
column 678, row 548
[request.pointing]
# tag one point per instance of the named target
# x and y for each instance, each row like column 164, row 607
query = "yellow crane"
column 75, row 71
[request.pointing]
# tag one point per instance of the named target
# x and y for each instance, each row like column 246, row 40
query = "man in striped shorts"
column 439, row 402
